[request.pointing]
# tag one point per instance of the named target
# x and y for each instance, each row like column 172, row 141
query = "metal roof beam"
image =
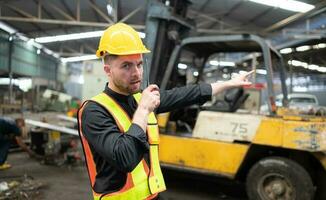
column 41, row 8
column 89, row 48
column 71, row 49
column 234, row 7
column 295, row 17
column 100, row 12
column 60, row 11
column 224, row 31
column 130, row 14
column 253, row 19
column 213, row 19
column 71, row 13
column 237, row 5
column 21, row 12
column 67, row 54
column 78, row 10
column 114, row 4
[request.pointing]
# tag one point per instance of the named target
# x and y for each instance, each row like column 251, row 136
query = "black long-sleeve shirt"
column 114, row 153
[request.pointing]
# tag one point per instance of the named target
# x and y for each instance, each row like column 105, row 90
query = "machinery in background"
column 58, row 145
column 54, row 101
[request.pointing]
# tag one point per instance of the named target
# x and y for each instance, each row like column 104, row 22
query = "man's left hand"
column 240, row 80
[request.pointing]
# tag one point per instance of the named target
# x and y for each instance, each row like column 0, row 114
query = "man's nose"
column 136, row 71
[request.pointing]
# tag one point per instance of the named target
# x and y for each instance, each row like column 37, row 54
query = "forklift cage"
column 259, row 45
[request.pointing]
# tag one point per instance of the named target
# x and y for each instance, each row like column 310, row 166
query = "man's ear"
column 107, row 69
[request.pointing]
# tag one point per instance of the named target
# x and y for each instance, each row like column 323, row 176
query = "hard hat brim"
column 101, row 53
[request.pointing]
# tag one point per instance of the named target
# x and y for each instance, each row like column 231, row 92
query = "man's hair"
column 108, row 58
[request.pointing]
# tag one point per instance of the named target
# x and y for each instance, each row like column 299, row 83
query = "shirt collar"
column 115, row 95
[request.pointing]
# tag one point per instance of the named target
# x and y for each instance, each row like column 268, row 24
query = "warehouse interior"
column 216, row 150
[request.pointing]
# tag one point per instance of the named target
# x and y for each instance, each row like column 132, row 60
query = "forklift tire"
column 276, row 178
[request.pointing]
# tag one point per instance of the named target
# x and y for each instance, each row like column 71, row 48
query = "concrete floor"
column 72, row 183
column 60, row 182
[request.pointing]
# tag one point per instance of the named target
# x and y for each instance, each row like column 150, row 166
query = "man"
column 118, row 129
column 11, row 130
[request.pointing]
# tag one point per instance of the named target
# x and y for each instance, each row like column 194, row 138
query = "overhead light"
column 305, row 65
column 299, row 89
column 222, row 63
column 313, row 67
column 7, row 28
column 48, row 51
column 56, row 55
column 214, row 62
column 307, row 36
column 303, row 48
column 291, row 5
column 195, row 73
column 298, row 63
column 35, row 44
column 261, row 71
column 319, row 46
column 226, row 63
column 75, row 36
column 23, row 83
column 225, row 76
column 182, row 66
column 109, row 9
column 286, row 51
column 322, row 69
column 22, row 37
column 142, row 35
column 79, row 58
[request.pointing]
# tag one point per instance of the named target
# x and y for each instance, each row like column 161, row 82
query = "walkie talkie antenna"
column 146, row 73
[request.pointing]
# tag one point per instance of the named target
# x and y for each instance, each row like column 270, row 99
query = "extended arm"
column 240, row 80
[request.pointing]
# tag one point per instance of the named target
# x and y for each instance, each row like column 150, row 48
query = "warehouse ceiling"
column 39, row 18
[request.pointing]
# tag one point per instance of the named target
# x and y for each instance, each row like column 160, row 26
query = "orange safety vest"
column 143, row 182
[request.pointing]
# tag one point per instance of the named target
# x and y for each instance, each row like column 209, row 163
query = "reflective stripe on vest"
column 142, row 182
column 156, row 180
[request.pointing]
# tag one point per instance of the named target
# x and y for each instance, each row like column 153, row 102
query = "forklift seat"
column 233, row 99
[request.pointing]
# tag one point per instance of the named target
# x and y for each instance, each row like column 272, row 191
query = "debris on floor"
column 20, row 188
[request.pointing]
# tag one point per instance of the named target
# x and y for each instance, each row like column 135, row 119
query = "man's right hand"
column 150, row 98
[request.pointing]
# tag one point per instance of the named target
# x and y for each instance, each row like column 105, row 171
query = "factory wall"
column 24, row 59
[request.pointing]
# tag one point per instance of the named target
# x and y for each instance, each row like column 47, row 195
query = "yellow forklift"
column 280, row 155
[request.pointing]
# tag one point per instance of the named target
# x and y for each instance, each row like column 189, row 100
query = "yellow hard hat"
column 120, row 39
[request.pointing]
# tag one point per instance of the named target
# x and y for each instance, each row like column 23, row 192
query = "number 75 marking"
column 239, row 127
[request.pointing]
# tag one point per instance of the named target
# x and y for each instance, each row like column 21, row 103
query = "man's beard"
column 125, row 88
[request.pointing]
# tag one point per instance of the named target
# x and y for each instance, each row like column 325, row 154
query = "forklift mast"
column 166, row 26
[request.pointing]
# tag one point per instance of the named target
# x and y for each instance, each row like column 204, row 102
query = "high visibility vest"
column 143, row 182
